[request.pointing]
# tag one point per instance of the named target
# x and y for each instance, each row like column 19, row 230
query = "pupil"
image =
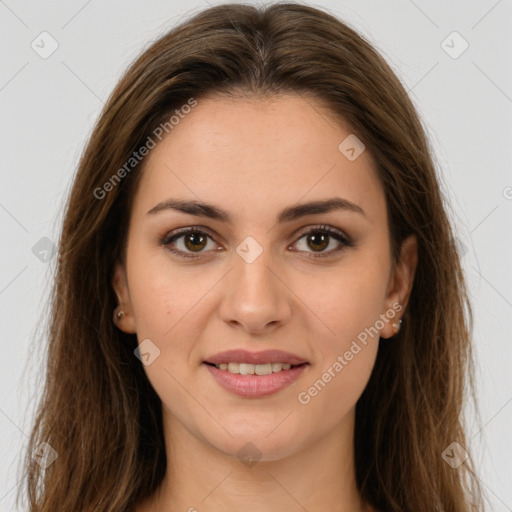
column 319, row 240
column 196, row 241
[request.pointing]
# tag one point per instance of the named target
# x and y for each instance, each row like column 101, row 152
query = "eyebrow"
column 289, row 214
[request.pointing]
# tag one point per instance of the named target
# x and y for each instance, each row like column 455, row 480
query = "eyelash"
column 334, row 233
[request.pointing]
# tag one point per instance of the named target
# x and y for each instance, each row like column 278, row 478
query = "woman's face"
column 316, row 283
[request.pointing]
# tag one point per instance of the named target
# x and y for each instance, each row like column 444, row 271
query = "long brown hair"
column 98, row 410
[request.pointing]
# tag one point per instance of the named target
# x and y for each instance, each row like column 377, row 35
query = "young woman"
column 258, row 303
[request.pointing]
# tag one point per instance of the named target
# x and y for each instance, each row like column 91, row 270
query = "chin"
column 262, row 441
column 250, row 450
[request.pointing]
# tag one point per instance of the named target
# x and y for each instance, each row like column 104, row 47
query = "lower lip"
column 255, row 386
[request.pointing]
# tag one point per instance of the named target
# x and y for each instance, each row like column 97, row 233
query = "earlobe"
column 123, row 314
column 401, row 284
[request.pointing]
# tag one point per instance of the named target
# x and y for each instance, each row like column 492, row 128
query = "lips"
column 288, row 368
column 266, row 356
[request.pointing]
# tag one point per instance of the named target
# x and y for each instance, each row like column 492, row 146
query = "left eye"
column 320, row 238
column 196, row 241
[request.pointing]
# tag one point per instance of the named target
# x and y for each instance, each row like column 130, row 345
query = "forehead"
column 258, row 155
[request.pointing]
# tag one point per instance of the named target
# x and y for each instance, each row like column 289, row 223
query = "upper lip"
column 265, row 356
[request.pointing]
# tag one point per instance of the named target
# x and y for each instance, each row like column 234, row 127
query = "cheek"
column 169, row 303
column 168, row 310
column 349, row 305
column 346, row 350
column 163, row 295
column 348, row 302
column 332, row 393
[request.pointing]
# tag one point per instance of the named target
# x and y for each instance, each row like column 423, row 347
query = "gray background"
column 49, row 107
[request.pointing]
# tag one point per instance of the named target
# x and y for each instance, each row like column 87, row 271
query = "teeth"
column 251, row 369
column 233, row 368
column 263, row 369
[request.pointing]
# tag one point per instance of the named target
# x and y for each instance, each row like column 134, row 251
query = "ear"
column 400, row 285
column 126, row 321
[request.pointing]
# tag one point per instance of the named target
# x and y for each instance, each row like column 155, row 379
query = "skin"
column 252, row 158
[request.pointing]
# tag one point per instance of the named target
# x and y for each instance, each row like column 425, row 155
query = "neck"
column 199, row 477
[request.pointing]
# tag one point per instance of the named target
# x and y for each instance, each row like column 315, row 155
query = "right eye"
column 190, row 240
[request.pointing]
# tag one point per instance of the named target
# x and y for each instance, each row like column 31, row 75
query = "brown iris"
column 320, row 240
column 195, row 241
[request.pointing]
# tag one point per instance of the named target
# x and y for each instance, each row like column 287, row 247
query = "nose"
column 256, row 297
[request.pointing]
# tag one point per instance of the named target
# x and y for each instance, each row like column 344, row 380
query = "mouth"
column 263, row 358
column 255, row 374
column 253, row 385
column 254, row 369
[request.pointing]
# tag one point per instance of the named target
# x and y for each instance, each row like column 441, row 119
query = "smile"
column 253, row 369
